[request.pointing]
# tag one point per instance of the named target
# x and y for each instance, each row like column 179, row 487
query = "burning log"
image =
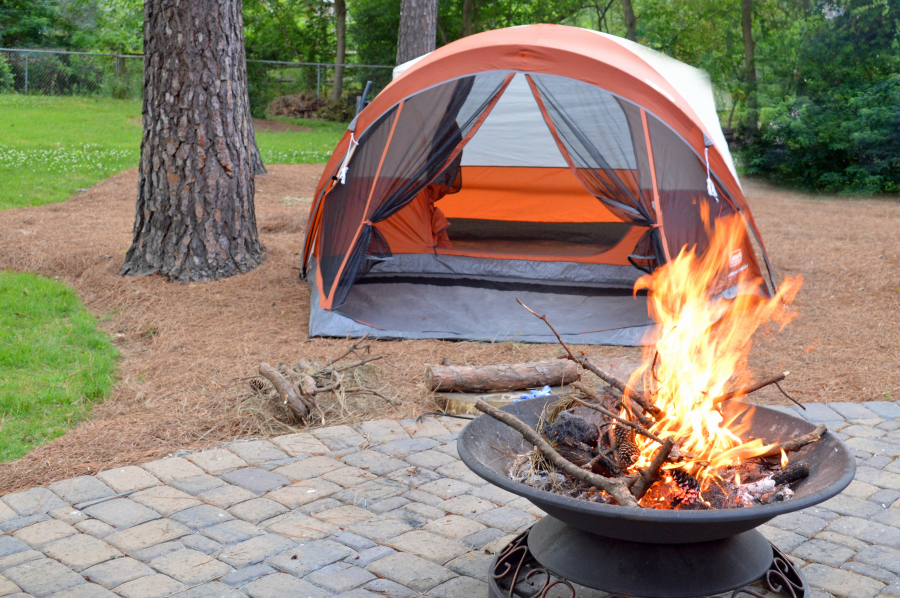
column 616, row 488
column 752, row 388
column 765, row 490
column 501, row 378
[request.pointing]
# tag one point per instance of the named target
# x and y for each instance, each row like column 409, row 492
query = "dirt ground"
column 182, row 346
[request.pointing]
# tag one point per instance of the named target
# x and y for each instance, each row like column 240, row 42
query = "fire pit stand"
column 636, row 569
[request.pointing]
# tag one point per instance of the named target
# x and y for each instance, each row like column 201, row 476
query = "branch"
column 752, row 388
column 797, row 443
column 614, row 488
column 285, row 390
column 588, row 365
column 352, row 349
column 651, row 474
column 593, row 394
column 359, row 363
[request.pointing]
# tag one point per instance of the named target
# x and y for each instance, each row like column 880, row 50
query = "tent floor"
column 471, row 309
column 526, row 247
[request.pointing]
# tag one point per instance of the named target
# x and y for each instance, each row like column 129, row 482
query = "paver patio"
column 382, row 509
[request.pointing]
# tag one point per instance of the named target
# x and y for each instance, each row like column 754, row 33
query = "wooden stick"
column 589, row 365
column 651, row 474
column 797, row 443
column 615, row 488
column 352, row 349
column 791, row 473
column 359, row 363
column 285, row 390
column 752, row 388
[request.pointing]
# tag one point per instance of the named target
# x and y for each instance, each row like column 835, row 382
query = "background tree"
column 195, row 215
column 340, row 34
column 418, row 29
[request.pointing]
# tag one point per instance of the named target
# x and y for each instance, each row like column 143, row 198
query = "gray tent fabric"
column 418, row 308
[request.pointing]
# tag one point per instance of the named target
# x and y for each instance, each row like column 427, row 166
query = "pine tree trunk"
column 630, row 20
column 418, row 29
column 468, row 27
column 195, row 216
column 340, row 32
column 258, row 167
column 749, row 66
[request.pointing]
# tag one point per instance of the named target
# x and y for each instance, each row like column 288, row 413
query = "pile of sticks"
column 610, row 465
column 296, row 386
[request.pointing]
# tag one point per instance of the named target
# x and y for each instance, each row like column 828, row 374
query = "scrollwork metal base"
column 516, row 573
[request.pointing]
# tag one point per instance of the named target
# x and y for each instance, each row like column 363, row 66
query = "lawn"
column 50, row 147
column 54, row 362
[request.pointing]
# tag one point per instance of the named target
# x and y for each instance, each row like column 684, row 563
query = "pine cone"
column 626, row 450
column 257, row 385
column 688, row 487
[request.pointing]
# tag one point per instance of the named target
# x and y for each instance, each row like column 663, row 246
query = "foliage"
column 6, row 76
column 54, row 365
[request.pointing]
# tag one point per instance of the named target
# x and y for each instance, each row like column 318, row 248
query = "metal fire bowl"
column 485, row 446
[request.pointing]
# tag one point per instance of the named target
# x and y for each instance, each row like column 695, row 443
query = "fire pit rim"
column 763, row 512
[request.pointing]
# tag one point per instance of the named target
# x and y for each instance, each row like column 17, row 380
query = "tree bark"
column 468, row 27
column 340, row 33
column 630, row 20
column 258, row 167
column 749, row 65
column 195, row 214
column 418, row 29
column 515, row 376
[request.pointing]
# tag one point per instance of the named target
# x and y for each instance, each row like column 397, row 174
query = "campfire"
column 662, row 440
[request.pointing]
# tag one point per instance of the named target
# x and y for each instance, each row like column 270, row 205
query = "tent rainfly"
column 548, row 163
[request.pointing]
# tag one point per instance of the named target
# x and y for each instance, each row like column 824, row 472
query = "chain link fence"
column 52, row 72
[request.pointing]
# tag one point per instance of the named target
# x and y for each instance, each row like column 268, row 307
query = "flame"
column 704, row 340
column 784, row 459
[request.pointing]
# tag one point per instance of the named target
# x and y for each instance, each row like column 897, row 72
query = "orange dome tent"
column 544, row 162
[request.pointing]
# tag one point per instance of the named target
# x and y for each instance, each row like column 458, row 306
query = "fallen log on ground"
column 285, row 390
column 502, row 378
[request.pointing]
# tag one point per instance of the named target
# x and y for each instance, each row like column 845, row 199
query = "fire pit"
column 651, row 552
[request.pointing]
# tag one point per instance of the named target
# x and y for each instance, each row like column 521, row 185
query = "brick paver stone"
column 95, row 528
column 411, row 571
column 213, row 589
column 165, row 500
column 472, row 564
column 339, row 577
column 281, row 585
column 459, row 586
column 44, row 532
column 216, row 461
column 201, row 544
column 300, row 444
column 429, row 546
column 18, row 558
column 258, row 509
column 121, row 513
column 339, row 438
column 841, row 583
column 6, row 512
column 10, row 545
column 202, row 516
column 867, row 531
column 427, row 427
column 116, row 572
column 373, row 462
column 232, row 532
column 197, row 484
column 301, row 527
column 467, row 506
column 258, row 481
column 308, row 469
column 309, row 556
column 226, row 496
column 85, row 590
column 147, row 534
column 255, row 550
column 453, row 526
column 301, row 493
column 43, row 577
column 431, row 459
column 386, row 587
column 884, row 409
column 382, row 431
column 345, row 515
column 446, row 488
column 152, row 586
column 80, row 551
column 7, row 587
column 34, row 501
column 172, row 468
column 128, row 479
column 380, row 529
column 190, row 567
column 257, row 451
column 240, row 577
column 81, row 489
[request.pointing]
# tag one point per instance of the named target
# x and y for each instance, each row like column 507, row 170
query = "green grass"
column 50, row 147
column 54, row 362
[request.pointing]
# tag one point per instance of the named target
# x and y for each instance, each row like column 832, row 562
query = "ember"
column 660, row 440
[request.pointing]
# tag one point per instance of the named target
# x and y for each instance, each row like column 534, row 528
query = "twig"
column 359, row 363
column 376, row 393
column 352, row 349
column 797, row 443
column 748, row 389
column 326, row 388
column 799, row 404
column 421, row 418
column 651, row 474
column 615, row 488
column 589, row 365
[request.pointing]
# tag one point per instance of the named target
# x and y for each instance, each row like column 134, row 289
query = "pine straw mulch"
column 182, row 346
